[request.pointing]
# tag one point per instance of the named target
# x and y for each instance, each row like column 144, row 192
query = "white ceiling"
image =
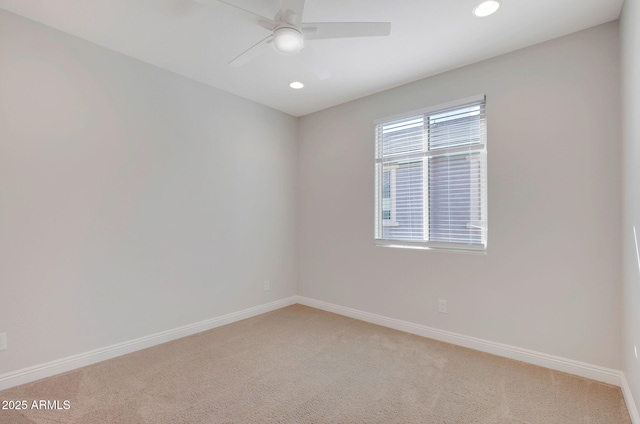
column 197, row 38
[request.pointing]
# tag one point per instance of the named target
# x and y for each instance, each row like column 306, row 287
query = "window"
column 431, row 174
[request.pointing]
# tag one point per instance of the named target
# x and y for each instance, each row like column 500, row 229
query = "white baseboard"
column 582, row 369
column 628, row 398
column 69, row 363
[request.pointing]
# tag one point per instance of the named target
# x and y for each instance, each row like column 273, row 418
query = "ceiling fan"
column 289, row 33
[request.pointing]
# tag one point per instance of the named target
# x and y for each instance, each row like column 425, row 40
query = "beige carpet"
column 302, row 365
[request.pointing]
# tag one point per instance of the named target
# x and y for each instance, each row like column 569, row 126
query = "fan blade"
column 323, row 30
column 310, row 59
column 291, row 12
column 252, row 52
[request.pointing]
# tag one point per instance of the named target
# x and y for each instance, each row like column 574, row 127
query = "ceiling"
column 197, row 38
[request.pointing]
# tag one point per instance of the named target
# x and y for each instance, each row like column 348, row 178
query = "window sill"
column 438, row 248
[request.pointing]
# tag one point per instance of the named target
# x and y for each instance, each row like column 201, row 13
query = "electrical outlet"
column 442, row 306
column 267, row 285
column 3, row 341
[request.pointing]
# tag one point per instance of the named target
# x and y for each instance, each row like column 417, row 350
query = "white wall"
column 551, row 279
column 630, row 41
column 132, row 200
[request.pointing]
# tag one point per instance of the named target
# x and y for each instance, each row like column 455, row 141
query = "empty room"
column 319, row 211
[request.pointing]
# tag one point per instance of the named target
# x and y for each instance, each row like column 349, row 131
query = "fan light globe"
column 287, row 40
column 486, row 8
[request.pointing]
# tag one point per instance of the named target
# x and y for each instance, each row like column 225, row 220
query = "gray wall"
column 132, row 200
column 551, row 278
column 630, row 40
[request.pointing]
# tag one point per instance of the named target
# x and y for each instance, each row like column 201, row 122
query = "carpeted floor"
column 302, row 365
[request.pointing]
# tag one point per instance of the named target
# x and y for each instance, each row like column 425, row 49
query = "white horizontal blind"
column 431, row 178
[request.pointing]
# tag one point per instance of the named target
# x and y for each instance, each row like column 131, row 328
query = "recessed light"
column 486, row 8
column 296, row 85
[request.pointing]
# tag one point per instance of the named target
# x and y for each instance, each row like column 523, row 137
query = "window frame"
column 380, row 223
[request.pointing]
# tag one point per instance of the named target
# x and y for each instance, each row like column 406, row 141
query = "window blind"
column 430, row 170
